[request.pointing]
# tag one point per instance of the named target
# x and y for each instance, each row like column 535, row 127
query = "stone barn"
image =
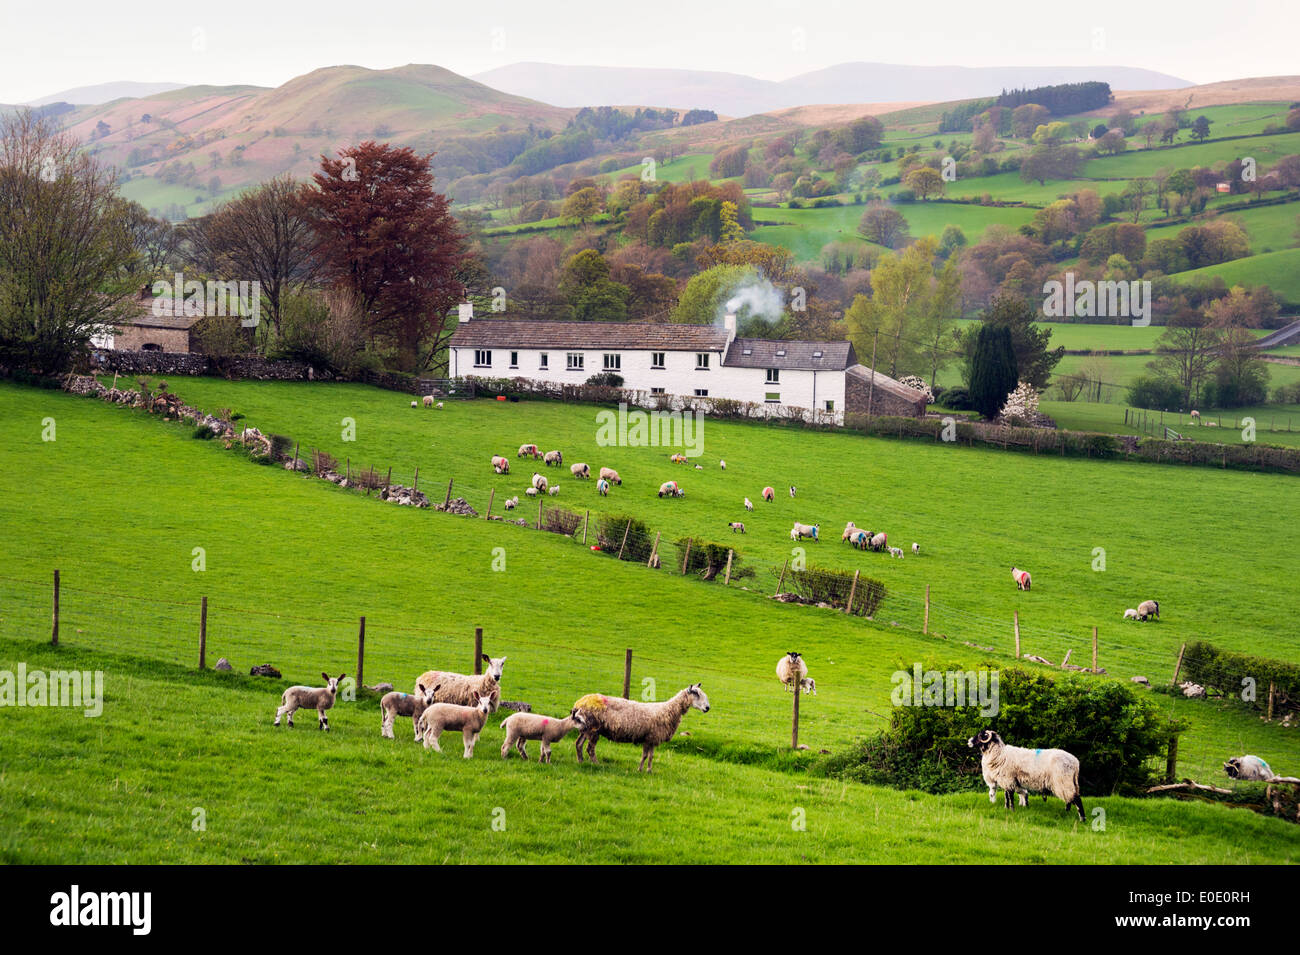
column 886, row 397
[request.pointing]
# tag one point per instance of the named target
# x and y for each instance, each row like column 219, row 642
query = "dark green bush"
column 1155, row 394
column 707, row 559
column 1119, row 737
column 956, row 399
column 611, row 531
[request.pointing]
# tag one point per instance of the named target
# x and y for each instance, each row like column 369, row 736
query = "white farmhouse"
column 704, row 361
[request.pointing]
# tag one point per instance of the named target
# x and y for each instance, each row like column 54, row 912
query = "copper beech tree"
column 384, row 233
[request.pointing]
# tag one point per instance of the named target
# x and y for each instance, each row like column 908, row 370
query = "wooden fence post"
column 653, row 550
column 478, row 650
column 926, row 628
column 1067, row 657
column 853, row 589
column 361, row 650
column 780, row 582
column 686, row 561
column 1171, row 763
column 1017, row 623
column 1094, row 649
column 539, row 512
column 295, row 457
column 347, row 471
column 446, row 501
column 1272, row 693
column 726, row 580
column 416, row 485
column 491, row 497
column 54, row 635
column 794, row 726
column 203, row 634
column 586, row 519
column 627, row 674
column 1179, row 666
column 624, row 544
column 388, row 481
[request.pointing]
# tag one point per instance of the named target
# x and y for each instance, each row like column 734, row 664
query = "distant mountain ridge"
column 105, row 93
column 734, row 94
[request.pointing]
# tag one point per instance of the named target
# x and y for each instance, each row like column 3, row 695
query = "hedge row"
column 1231, row 673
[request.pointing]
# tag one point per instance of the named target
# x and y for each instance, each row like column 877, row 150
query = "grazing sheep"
column 736, row 527
column 540, row 482
column 414, row 405
column 879, row 541
column 1132, row 614
column 530, row 491
column 500, row 464
column 553, row 490
column 1247, row 768
column 609, row 474
column 896, row 552
column 804, row 530
column 428, row 401
column 319, row 699
column 1021, row 577
column 677, row 458
column 699, row 467
column 916, row 549
column 769, row 495
column 630, row 721
column 808, row 685
column 792, row 490
column 526, row 450
column 1196, row 416
column 849, row 528
column 438, row 405
column 459, row 688
column 397, row 704
column 860, row 539
column 553, row 459
column 521, row 727
column 791, row 669
column 580, row 470
column 512, row 502
column 1019, row 770
column 723, row 465
column 1148, row 608
column 602, row 487
column 451, row 716
column 749, row 505
column 671, row 489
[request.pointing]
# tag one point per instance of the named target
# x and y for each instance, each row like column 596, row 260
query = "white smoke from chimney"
column 756, row 297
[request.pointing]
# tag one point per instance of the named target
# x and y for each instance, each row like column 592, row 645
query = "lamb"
column 1019, row 770
column 699, row 467
column 450, row 716
column 530, row 491
column 792, row 490
column 512, row 502
column 553, row 490
column 678, row 458
column 1248, row 768
column 609, row 474
column 630, row 721
column 1148, row 608
column 1021, row 577
column 428, row 401
column 500, row 464
column 808, row 685
column 723, row 465
column 1193, row 691
column 414, row 405
column 849, row 528
column 749, row 505
column 1131, row 614
column 769, row 495
column 879, row 541
column 526, row 450
column 791, row 669
column 804, row 530
column 319, row 699
column 896, row 552
column 580, row 470
column 397, row 704
column 736, row 527
column 553, row 459
column 539, row 482
column 916, row 549
column 438, row 405
column 459, row 688
column 1211, row 424
column 521, row 727
column 671, row 489
column 602, row 487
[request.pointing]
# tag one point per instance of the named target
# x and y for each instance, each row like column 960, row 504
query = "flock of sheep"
column 447, row 701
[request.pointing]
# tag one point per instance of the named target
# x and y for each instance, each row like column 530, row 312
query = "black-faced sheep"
column 804, row 530
column 671, row 489
column 500, row 464
column 1147, row 609
column 528, row 450
column 879, row 541
column 736, row 527
column 602, row 487
column 1021, row 577
column 470, row 720
column 1019, row 770
column 1248, row 768
column 428, row 401
column 630, row 721
column 553, row 459
column 319, row 699
column 580, row 470
column 461, row 689
column 540, row 482
column 521, row 727
column 609, row 474
column 769, row 495
column 791, row 669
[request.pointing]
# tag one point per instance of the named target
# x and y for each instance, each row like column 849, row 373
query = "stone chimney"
column 466, row 311
column 729, row 323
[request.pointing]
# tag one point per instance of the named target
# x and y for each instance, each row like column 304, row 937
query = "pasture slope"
column 119, row 502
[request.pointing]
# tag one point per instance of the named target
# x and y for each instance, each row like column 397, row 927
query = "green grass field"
column 290, row 563
column 1279, row 270
column 1270, row 227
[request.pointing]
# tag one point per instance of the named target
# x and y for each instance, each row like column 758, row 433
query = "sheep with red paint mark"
column 522, row 727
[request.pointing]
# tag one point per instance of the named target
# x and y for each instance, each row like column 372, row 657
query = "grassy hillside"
column 1279, row 270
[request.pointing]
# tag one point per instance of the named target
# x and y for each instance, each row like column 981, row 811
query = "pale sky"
column 49, row 46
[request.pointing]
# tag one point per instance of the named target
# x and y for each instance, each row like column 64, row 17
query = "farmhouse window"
column 482, row 358
column 574, row 361
column 613, row 362
column 774, row 376
column 656, row 391
column 545, row 359
column 701, row 392
column 830, row 406
column 772, row 397
column 702, row 361
column 657, row 360
column 514, row 359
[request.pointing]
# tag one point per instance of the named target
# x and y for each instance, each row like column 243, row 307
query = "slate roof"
column 504, row 333
column 800, row 356
column 885, row 383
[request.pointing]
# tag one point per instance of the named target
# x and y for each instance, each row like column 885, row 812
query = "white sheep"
column 500, row 465
column 916, row 549
column 609, row 474
column 451, row 716
column 414, row 405
column 804, row 530
column 1193, row 691
column 723, row 465
column 438, row 405
column 512, row 502
column 530, row 491
column 896, row 552
column 540, row 482
column 791, row 669
column 397, row 704
column 1148, row 608
column 1248, row 768
column 630, row 721
column 749, row 505
column 808, row 685
column 602, row 487
column 428, row 401
column 1021, row 577
column 553, row 459
column 521, row 727
column 792, row 490
column 1019, row 770
column 878, row 542
column 580, row 470
column 769, row 495
column 460, row 688
column 319, row 699
column 1131, row 614
column 849, row 528
column 553, row 490
column 736, row 527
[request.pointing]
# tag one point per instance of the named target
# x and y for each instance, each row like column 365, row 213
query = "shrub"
column 707, row 559
column 957, row 399
column 819, row 585
column 614, row 528
column 607, row 379
column 1155, row 394
column 1117, row 735
column 1230, row 672
column 560, row 520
